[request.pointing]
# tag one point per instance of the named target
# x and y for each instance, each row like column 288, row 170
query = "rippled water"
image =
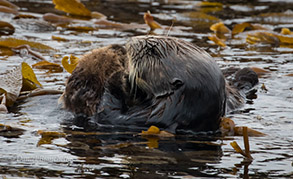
column 83, row 152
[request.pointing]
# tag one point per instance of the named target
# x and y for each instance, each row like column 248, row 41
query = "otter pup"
column 152, row 80
column 86, row 85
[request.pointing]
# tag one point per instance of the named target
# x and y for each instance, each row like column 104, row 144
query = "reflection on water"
column 75, row 149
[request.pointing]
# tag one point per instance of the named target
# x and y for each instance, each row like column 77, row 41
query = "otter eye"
column 176, row 83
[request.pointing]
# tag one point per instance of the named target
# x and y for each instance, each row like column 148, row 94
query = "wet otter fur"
column 152, row 80
column 86, row 85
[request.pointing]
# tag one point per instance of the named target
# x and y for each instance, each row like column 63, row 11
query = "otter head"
column 153, row 65
column 159, row 65
column 187, row 79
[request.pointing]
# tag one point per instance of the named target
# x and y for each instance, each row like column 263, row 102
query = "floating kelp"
column 73, row 7
column 6, row 28
column 207, row 7
column 197, row 19
column 30, row 81
column 8, row 4
column 149, row 20
column 54, row 18
column 8, row 131
column 4, row 51
column 246, row 145
column 238, row 28
column 8, row 10
column 25, row 16
column 59, row 38
column 49, row 136
column 269, row 38
column 52, row 67
column 80, row 27
column 98, row 15
column 217, row 41
column 14, row 43
column 221, row 31
column 155, row 131
column 69, row 63
column 286, row 31
column 38, row 92
column 228, row 127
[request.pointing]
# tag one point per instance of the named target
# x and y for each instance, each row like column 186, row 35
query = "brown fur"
column 86, row 85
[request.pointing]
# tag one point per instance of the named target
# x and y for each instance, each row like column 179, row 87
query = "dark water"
column 80, row 152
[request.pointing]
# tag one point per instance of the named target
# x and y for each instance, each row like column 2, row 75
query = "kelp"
column 8, row 4
column 73, row 7
column 153, row 134
column 48, row 136
column 269, row 38
column 238, row 28
column 4, row 51
column 200, row 16
column 13, row 81
column 262, row 37
column 149, row 20
column 29, row 52
column 155, row 131
column 69, row 63
column 286, row 31
column 98, row 15
column 53, row 67
column 106, row 24
column 206, row 6
column 228, row 127
column 14, row 43
column 221, row 31
column 80, row 27
column 8, row 10
column 6, row 28
column 237, row 148
column 30, row 81
column 221, row 34
column 9, row 131
column 25, row 16
column 264, row 88
column 54, row 18
column 217, row 41
column 59, row 38
column 38, row 92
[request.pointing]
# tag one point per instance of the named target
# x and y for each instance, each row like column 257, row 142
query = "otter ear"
column 176, row 83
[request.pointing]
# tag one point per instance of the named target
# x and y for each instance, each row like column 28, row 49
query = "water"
column 79, row 151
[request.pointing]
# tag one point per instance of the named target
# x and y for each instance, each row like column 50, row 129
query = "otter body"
column 152, row 80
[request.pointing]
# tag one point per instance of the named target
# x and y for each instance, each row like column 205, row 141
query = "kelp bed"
column 40, row 44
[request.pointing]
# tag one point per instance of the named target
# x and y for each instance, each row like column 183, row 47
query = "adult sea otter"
column 153, row 80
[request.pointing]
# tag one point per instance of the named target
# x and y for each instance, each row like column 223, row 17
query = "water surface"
column 81, row 151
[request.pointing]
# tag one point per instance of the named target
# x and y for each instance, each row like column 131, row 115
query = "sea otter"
column 152, row 80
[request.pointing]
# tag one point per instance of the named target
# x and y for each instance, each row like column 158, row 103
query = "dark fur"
column 183, row 87
column 161, row 81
